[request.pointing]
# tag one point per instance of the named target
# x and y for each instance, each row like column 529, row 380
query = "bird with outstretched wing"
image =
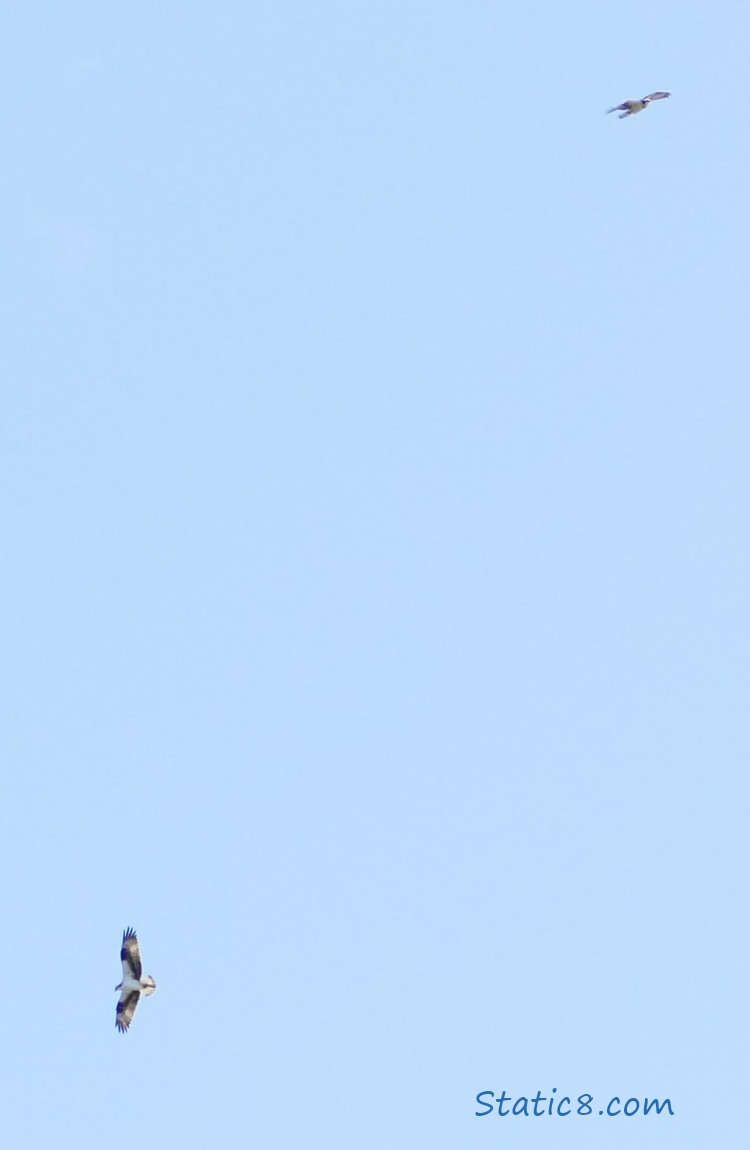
column 134, row 982
column 630, row 107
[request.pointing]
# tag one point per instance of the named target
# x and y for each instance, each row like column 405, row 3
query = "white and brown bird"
column 630, row 107
column 134, row 983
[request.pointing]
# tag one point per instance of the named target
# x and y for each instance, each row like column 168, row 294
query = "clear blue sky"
column 375, row 620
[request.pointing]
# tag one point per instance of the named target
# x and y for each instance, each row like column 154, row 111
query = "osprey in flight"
column 630, row 107
column 133, row 985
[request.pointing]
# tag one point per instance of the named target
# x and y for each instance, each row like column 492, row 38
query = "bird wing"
column 126, row 1009
column 131, row 956
column 625, row 107
column 658, row 96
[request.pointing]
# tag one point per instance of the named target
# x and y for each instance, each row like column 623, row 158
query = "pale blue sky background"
column 374, row 570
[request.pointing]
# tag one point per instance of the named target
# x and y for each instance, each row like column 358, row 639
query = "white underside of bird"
column 145, row 985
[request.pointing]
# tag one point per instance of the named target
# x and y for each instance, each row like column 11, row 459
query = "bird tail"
column 148, row 985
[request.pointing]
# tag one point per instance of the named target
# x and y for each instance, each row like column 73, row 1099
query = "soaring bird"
column 630, row 107
column 133, row 985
